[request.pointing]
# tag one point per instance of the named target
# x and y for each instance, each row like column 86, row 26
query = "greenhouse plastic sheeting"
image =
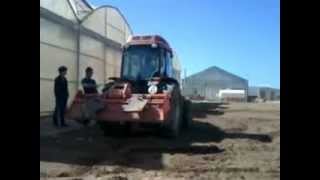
column 60, row 7
column 57, row 34
column 59, row 46
column 96, row 21
column 51, row 58
column 91, row 47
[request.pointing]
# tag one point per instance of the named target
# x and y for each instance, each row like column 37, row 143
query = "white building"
column 77, row 35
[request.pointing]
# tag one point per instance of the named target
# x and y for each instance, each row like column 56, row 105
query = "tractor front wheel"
column 173, row 123
column 187, row 113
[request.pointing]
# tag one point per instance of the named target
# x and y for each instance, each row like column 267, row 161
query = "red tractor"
column 147, row 93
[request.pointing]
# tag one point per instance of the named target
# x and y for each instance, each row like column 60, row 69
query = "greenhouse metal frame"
column 75, row 41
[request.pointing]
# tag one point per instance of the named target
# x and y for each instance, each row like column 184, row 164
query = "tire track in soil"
column 128, row 154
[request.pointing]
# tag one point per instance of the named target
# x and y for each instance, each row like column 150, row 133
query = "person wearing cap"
column 61, row 93
column 89, row 85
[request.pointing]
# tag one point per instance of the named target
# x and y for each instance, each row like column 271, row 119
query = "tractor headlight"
column 153, row 89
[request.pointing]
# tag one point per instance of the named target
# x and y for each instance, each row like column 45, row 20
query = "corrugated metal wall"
column 266, row 93
column 77, row 43
column 210, row 90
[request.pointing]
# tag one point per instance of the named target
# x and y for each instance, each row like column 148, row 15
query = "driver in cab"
column 151, row 66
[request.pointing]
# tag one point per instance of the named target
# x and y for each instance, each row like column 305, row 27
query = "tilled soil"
column 235, row 141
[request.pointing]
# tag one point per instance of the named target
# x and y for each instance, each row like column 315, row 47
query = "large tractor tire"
column 173, row 123
column 187, row 113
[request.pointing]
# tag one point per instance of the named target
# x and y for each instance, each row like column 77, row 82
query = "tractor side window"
column 168, row 64
column 162, row 61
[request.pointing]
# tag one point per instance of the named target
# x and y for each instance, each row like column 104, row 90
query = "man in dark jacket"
column 89, row 85
column 61, row 93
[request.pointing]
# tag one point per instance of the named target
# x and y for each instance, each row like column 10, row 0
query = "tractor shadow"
column 204, row 109
column 144, row 149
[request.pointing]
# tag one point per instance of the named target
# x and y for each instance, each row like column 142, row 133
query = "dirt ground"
column 235, row 141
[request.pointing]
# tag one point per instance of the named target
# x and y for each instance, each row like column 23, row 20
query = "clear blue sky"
column 240, row 36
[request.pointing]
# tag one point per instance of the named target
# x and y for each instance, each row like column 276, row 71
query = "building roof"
column 148, row 40
column 82, row 9
column 215, row 73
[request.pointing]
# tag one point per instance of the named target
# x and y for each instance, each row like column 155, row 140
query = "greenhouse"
column 75, row 34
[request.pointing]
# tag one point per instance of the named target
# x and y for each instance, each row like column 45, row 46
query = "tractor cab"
column 146, row 59
column 143, row 62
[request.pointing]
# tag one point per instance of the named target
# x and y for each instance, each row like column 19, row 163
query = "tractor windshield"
column 141, row 63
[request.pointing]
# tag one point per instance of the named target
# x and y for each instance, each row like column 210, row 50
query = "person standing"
column 61, row 93
column 89, row 85
column 92, row 104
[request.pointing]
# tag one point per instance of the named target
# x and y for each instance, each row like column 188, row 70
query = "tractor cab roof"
column 148, row 40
